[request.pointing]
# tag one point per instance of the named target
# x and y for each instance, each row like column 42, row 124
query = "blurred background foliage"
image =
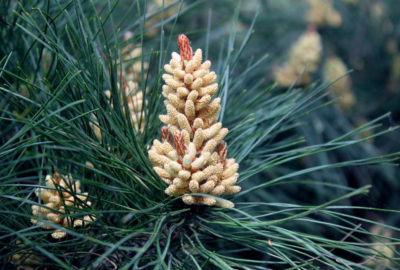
column 356, row 38
column 359, row 50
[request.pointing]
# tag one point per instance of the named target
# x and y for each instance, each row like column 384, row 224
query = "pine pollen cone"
column 192, row 155
column 25, row 258
column 62, row 192
column 134, row 97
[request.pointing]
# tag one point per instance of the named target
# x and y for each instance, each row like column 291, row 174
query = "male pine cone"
column 191, row 158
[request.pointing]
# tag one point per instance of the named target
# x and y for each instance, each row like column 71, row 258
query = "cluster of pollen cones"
column 192, row 155
column 62, row 192
column 303, row 60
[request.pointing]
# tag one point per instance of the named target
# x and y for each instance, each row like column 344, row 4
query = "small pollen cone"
column 192, row 156
column 131, row 92
column 335, row 68
column 322, row 13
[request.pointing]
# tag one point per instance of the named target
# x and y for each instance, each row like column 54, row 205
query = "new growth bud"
column 184, row 47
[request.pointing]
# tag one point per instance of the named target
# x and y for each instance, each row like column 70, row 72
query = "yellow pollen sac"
column 196, row 158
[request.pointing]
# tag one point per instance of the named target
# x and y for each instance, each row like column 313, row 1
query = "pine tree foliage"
column 61, row 71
